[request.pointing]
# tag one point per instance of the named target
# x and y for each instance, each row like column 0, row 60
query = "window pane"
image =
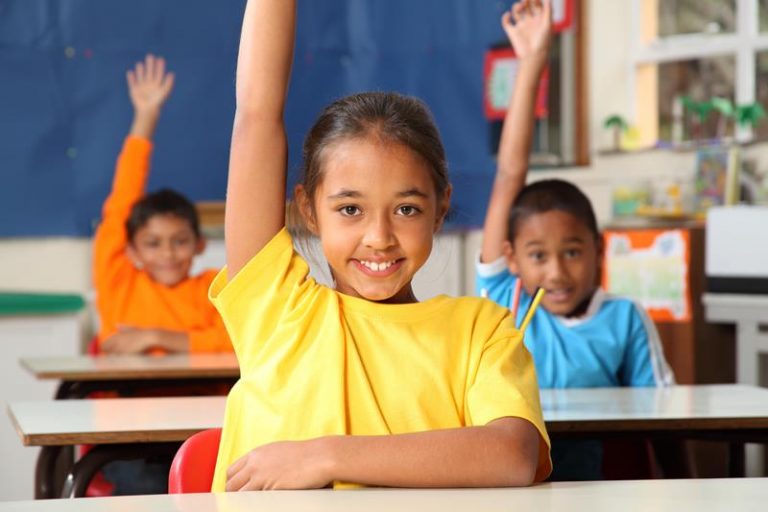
column 700, row 80
column 763, row 15
column 761, row 92
column 695, row 16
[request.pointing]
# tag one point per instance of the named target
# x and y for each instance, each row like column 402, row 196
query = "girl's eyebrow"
column 412, row 192
column 345, row 193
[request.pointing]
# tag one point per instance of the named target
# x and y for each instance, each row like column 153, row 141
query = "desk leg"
column 747, row 353
column 76, row 482
column 45, row 472
column 735, row 459
column 69, row 389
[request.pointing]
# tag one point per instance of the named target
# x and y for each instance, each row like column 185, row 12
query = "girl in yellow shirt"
column 361, row 383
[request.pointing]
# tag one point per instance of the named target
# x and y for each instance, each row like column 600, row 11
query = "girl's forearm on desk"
column 501, row 454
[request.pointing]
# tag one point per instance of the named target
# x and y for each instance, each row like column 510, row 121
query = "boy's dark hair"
column 163, row 202
column 547, row 195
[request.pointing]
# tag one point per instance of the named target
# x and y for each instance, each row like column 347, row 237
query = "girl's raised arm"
column 255, row 208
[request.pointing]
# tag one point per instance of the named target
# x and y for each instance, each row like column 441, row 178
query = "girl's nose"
column 379, row 234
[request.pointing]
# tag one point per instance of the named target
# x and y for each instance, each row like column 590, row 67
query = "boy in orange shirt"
column 144, row 247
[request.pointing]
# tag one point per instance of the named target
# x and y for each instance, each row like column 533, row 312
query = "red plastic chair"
column 192, row 467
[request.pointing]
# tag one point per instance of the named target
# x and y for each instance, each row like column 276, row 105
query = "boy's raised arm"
column 529, row 28
column 255, row 207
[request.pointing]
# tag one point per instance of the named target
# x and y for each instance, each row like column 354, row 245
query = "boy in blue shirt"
column 545, row 235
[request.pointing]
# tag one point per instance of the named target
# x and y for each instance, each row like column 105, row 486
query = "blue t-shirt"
column 614, row 344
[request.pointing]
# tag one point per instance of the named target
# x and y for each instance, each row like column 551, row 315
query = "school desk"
column 82, row 375
column 31, row 325
column 728, row 413
column 121, row 428
column 710, row 495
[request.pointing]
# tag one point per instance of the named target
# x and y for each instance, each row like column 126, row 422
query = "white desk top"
column 114, row 420
column 123, row 420
column 724, row 406
column 172, row 366
column 710, row 495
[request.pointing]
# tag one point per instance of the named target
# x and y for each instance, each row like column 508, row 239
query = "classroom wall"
column 63, row 264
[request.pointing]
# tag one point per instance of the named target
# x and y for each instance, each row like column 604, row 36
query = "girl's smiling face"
column 375, row 212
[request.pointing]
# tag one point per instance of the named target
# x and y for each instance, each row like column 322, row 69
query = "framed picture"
column 562, row 14
column 650, row 266
column 717, row 177
column 500, row 70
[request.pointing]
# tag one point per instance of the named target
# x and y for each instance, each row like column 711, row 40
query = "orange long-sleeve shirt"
column 128, row 296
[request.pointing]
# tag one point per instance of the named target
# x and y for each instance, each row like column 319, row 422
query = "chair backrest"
column 192, row 467
column 93, row 347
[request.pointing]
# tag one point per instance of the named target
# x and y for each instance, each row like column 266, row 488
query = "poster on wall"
column 650, row 266
column 499, row 79
column 562, row 14
column 500, row 69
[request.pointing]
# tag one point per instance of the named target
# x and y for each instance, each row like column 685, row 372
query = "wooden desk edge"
column 73, row 438
column 676, row 424
column 137, row 374
column 23, row 437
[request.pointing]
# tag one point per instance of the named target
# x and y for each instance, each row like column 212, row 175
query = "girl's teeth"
column 377, row 267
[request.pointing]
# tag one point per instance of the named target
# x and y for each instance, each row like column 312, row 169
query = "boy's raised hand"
column 149, row 85
column 528, row 26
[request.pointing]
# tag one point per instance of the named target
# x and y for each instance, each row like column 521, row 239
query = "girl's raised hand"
column 528, row 26
column 149, row 85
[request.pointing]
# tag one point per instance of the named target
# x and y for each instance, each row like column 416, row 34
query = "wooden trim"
column 211, row 213
column 144, row 436
column 582, row 84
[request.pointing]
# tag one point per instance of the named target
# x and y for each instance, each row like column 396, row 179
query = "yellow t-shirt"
column 316, row 362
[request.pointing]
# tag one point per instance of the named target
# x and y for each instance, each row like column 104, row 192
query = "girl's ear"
column 304, row 204
column 509, row 253
column 443, row 204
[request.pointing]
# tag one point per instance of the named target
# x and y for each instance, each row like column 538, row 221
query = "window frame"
column 649, row 50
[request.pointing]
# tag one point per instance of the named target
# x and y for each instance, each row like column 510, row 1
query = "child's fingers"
column 159, row 70
column 236, row 466
column 506, row 20
column 151, row 64
column 140, row 73
column 517, row 11
column 237, row 475
column 131, row 78
column 167, row 84
column 547, row 7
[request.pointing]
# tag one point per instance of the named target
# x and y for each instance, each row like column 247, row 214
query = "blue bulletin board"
column 64, row 109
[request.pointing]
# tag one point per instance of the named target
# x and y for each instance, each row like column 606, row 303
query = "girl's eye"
column 349, row 211
column 408, row 210
column 536, row 256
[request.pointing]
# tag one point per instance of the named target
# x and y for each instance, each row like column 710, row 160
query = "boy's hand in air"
column 280, row 465
column 528, row 26
column 149, row 86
